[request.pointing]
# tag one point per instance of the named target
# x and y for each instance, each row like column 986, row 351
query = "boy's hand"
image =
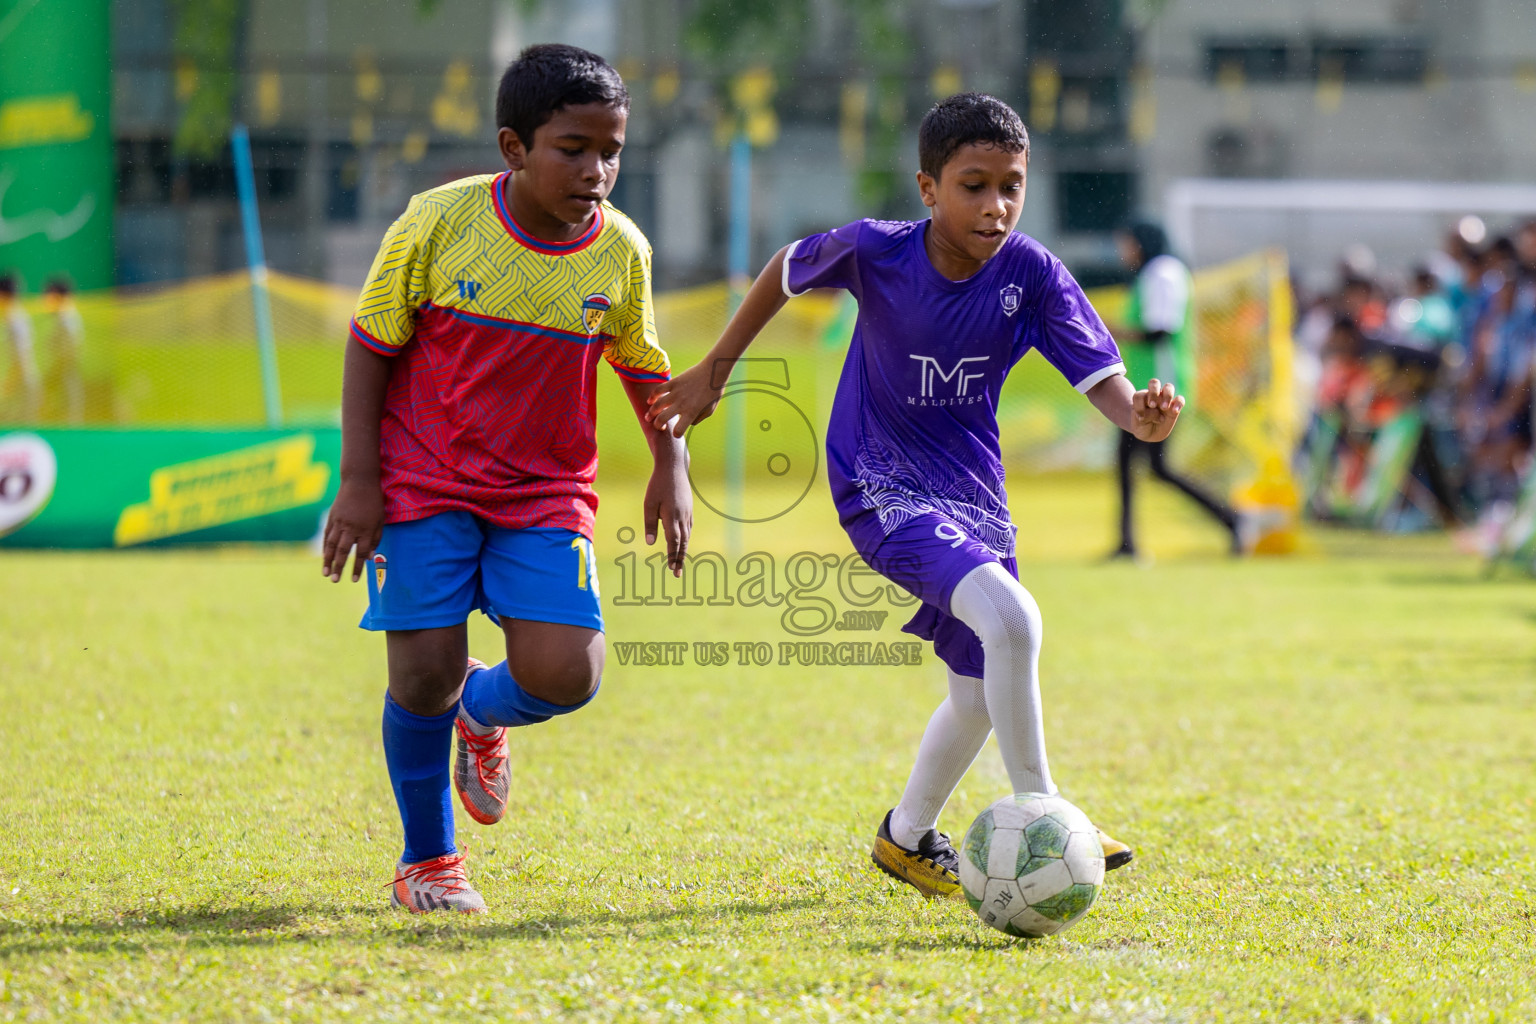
column 669, row 503
column 693, row 394
column 356, row 519
column 686, row 399
column 1155, row 411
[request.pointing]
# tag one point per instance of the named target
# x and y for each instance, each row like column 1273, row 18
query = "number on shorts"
column 583, row 559
column 950, row 532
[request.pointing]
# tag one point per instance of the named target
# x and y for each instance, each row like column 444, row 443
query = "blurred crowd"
column 1420, row 388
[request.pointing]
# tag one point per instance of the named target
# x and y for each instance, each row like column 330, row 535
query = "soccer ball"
column 1031, row 865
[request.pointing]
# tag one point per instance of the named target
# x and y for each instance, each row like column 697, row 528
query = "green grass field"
column 1325, row 763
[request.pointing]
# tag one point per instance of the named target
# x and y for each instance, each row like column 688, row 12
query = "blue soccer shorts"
column 928, row 556
column 432, row 572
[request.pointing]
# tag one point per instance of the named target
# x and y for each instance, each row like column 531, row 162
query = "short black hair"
column 8, row 283
column 964, row 119
column 59, row 284
column 549, row 77
column 1150, row 238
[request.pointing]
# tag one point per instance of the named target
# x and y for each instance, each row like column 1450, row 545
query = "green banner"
column 131, row 488
column 56, row 153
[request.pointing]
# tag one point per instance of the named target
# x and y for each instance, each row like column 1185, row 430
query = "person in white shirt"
column 21, row 374
column 68, row 343
column 1157, row 344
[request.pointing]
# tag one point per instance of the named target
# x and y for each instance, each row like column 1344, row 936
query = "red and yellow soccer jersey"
column 491, row 405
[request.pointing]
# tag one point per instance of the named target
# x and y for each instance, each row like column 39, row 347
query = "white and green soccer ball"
column 1031, row 865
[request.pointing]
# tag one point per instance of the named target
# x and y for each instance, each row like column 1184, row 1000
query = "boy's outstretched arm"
column 357, row 515
column 668, row 497
column 693, row 394
column 1149, row 415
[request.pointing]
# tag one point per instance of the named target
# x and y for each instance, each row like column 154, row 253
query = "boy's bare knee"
column 560, row 680
column 426, row 668
column 557, row 663
column 566, row 689
column 428, row 694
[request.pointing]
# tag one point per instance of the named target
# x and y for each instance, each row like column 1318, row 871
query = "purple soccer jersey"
column 913, row 435
column 914, row 423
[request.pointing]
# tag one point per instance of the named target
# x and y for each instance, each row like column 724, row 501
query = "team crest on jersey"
column 1011, row 296
column 592, row 309
column 379, row 564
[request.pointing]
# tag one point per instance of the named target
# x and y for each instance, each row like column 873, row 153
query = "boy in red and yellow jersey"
column 469, row 447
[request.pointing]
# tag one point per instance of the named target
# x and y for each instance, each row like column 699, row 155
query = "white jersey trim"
column 1086, row 384
column 787, row 257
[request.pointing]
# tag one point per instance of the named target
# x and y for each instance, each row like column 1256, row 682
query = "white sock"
column 1007, row 619
column 954, row 737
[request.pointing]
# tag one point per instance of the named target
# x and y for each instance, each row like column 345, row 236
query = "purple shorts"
column 928, row 557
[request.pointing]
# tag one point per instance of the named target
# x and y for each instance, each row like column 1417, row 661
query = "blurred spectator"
column 1424, row 318
column 1495, row 408
column 1428, row 392
column 19, row 398
column 1156, row 344
column 67, row 342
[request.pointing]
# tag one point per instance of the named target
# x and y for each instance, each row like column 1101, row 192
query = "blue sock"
column 416, row 750
column 492, row 697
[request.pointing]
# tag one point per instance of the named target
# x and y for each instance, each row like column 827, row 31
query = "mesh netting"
column 186, row 355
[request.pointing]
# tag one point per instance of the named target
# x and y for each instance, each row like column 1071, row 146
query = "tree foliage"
column 205, row 41
column 874, row 49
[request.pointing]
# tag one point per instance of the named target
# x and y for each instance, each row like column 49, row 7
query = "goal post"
column 1212, row 220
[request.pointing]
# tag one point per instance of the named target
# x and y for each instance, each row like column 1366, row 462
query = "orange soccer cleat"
column 481, row 772
column 436, row 884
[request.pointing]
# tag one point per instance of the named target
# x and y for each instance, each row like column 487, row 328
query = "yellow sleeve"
column 386, row 310
column 634, row 353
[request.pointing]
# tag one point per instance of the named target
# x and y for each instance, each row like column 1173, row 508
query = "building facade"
column 354, row 105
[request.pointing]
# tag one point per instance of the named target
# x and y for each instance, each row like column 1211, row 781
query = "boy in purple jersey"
column 946, row 308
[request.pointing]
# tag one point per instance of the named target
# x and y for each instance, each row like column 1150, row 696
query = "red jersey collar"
column 538, row 245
